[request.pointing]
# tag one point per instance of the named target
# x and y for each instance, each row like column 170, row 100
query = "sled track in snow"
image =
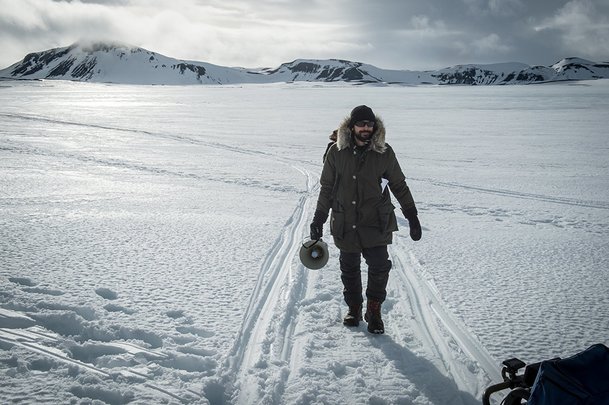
column 260, row 355
column 438, row 326
column 142, row 167
column 522, row 195
column 174, row 137
column 37, row 341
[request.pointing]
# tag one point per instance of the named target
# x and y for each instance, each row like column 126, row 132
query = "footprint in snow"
column 195, row 331
column 24, row 281
column 46, row 291
column 106, row 293
column 118, row 308
column 30, row 286
column 175, row 314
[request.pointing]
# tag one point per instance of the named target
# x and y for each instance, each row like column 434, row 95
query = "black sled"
column 582, row 379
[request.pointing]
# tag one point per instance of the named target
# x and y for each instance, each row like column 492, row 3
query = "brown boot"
column 373, row 317
column 354, row 315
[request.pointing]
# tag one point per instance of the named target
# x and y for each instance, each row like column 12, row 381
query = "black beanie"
column 361, row 113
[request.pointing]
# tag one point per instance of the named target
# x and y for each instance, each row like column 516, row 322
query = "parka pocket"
column 337, row 224
column 387, row 219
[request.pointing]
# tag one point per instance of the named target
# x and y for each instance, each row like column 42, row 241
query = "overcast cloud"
column 399, row 34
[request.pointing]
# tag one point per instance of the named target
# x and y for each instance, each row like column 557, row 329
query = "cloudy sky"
column 398, row 34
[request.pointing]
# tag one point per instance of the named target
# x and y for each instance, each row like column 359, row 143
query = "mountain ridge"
column 111, row 62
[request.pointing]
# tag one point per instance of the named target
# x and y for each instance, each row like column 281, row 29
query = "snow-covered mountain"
column 117, row 63
column 335, row 70
column 519, row 73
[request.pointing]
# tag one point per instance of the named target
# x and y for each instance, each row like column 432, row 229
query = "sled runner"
column 580, row 379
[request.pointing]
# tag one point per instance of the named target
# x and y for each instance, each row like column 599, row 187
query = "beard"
column 363, row 136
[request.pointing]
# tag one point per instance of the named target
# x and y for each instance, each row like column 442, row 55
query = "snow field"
column 149, row 238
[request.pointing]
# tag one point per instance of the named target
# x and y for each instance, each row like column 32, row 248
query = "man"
column 354, row 180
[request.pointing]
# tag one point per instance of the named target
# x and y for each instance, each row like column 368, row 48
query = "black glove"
column 317, row 226
column 413, row 222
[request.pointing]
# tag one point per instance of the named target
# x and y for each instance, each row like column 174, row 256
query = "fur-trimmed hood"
column 377, row 141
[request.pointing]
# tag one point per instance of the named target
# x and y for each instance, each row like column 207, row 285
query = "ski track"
column 260, row 356
column 174, row 137
column 522, row 195
column 137, row 166
column 444, row 335
column 18, row 329
column 23, row 148
column 236, row 149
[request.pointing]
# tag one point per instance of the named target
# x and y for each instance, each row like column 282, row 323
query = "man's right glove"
column 317, row 226
column 413, row 222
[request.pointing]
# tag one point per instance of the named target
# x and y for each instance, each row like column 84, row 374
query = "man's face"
column 363, row 130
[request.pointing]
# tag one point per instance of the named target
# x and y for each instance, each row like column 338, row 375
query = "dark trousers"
column 379, row 265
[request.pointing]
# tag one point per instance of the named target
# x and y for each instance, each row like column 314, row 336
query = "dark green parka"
column 352, row 185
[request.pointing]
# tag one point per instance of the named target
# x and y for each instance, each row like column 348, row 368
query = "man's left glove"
column 413, row 222
column 317, row 226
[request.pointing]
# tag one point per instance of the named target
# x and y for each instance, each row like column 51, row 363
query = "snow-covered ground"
column 149, row 239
